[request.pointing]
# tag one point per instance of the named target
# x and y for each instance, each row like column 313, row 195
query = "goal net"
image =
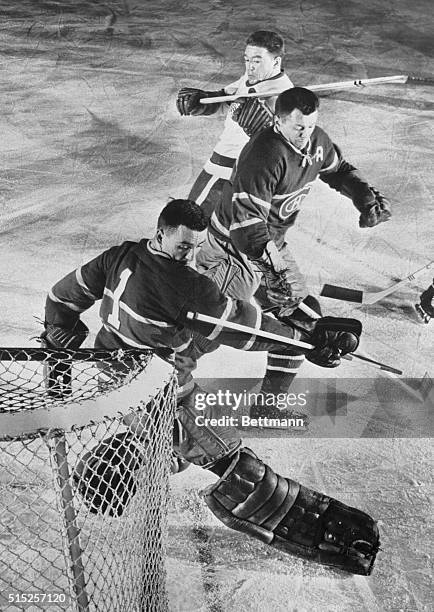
column 85, row 454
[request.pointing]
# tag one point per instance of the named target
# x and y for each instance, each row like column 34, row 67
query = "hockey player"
column 146, row 290
column 425, row 307
column 263, row 60
column 275, row 171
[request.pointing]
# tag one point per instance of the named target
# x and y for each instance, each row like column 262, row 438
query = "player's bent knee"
column 250, row 497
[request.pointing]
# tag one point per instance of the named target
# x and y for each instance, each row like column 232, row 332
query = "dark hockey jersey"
column 145, row 296
column 270, row 182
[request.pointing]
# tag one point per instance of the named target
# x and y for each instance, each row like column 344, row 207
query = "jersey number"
column 113, row 318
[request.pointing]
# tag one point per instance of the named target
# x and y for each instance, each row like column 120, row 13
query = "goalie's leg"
column 250, row 497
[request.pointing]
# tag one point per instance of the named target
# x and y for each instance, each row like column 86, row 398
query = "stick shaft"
column 368, row 297
column 371, row 298
column 282, row 339
column 248, row 330
column 400, row 78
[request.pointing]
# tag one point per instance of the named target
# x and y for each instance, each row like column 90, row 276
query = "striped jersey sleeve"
column 78, row 290
column 228, row 311
column 207, row 299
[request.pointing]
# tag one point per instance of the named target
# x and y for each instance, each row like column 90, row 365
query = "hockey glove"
column 56, row 337
column 332, row 338
column 375, row 212
column 106, row 475
column 188, row 102
column 253, row 116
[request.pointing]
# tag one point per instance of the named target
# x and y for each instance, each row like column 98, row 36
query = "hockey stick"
column 391, row 372
column 360, row 355
column 397, row 79
column 197, row 316
column 270, row 336
column 367, row 297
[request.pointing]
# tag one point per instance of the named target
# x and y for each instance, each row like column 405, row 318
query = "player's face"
column 297, row 128
column 182, row 243
column 260, row 64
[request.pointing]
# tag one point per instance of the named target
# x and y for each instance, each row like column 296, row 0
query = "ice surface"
column 92, row 147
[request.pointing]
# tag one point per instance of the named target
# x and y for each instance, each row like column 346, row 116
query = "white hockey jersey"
column 233, row 137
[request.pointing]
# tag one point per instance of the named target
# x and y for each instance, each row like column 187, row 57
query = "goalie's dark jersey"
column 145, row 296
column 269, row 184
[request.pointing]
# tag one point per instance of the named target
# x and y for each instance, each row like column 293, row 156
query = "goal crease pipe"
column 196, row 316
column 399, row 78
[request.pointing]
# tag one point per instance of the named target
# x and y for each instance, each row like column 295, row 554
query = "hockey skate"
column 425, row 307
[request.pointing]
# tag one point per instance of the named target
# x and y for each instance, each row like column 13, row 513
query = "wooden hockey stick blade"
column 397, row 79
column 342, row 293
column 368, row 297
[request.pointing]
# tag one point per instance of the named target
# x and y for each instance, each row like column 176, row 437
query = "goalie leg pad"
column 251, row 498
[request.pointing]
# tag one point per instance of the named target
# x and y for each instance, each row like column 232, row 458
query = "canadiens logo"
column 292, row 202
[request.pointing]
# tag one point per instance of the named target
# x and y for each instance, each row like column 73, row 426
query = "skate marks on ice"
column 219, row 569
column 227, row 571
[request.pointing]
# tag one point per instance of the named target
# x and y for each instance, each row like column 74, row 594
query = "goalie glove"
column 188, row 101
column 57, row 337
column 253, row 116
column 378, row 210
column 332, row 338
column 105, row 476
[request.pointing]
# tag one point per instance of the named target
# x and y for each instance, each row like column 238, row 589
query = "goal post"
column 84, row 465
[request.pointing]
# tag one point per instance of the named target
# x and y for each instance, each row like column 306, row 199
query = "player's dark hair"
column 271, row 41
column 301, row 98
column 182, row 212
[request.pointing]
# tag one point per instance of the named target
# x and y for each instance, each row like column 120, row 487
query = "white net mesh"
column 85, row 452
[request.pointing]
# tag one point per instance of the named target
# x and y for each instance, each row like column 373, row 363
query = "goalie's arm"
column 207, row 299
column 330, row 337
column 78, row 291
